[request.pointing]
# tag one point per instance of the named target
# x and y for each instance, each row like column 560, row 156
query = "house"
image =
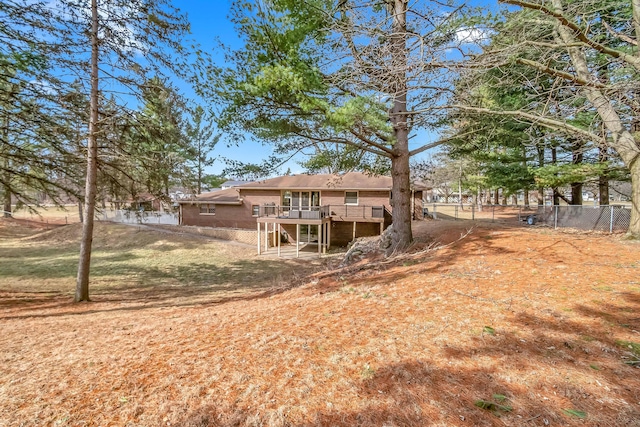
column 143, row 202
column 320, row 209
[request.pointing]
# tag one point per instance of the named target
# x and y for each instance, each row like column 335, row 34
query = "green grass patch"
column 575, row 413
column 489, row 330
column 633, row 347
column 494, row 407
column 138, row 263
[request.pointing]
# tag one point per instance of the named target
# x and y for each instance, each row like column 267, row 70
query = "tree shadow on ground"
column 197, row 284
column 566, row 372
column 413, row 393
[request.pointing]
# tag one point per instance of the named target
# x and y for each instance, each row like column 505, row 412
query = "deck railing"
column 319, row 212
column 312, row 212
column 352, row 212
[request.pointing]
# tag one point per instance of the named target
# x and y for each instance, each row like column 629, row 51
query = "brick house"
column 317, row 209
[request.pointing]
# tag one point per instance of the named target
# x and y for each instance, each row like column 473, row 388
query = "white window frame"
column 357, row 198
column 253, row 213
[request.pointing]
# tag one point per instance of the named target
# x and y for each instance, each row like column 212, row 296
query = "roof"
column 229, row 184
column 348, row 181
column 420, row 186
column 221, row 197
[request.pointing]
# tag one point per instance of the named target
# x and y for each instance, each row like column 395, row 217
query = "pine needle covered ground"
column 502, row 327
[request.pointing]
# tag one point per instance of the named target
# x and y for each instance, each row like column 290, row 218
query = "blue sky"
column 209, row 21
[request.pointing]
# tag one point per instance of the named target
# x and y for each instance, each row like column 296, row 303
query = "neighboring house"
column 323, row 209
column 142, row 202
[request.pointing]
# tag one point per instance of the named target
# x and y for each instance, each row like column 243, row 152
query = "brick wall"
column 365, row 198
column 249, row 237
column 231, row 216
column 227, row 216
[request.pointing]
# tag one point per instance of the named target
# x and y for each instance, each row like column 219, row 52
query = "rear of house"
column 324, row 209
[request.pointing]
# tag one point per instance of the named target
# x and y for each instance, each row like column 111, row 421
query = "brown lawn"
column 535, row 326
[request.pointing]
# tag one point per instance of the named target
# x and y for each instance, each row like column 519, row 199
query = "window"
column 286, row 200
column 350, row 197
column 255, row 210
column 207, row 209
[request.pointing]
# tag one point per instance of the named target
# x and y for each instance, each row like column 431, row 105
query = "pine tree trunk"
column 6, row 205
column 634, row 226
column 576, row 187
column 576, row 193
column 401, row 202
column 603, row 190
column 84, row 263
column 7, row 175
column 603, row 180
column 540, row 164
column 80, row 211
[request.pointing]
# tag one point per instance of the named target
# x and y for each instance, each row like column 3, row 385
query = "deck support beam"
column 259, row 238
column 266, row 237
column 297, row 240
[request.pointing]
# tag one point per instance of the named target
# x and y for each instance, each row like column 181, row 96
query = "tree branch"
column 578, row 33
column 534, row 119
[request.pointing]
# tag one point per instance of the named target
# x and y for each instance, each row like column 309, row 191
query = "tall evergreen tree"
column 202, row 140
column 589, row 49
column 356, row 72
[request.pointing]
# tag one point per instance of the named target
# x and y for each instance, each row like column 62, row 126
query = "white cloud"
column 472, row 35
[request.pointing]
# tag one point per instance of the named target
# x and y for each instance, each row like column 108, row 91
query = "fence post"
column 435, row 214
column 611, row 220
column 555, row 219
column 493, row 213
column 455, row 212
column 473, row 212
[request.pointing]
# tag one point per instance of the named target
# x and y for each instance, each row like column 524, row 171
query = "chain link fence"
column 613, row 218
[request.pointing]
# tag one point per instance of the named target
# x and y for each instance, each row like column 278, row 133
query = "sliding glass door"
column 301, row 200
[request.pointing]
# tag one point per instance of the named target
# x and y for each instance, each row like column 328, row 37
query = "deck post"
column 381, row 228
column 279, row 232
column 274, row 235
column 297, row 240
column 258, row 238
column 325, row 237
column 320, row 231
column 329, row 235
column 354, row 230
